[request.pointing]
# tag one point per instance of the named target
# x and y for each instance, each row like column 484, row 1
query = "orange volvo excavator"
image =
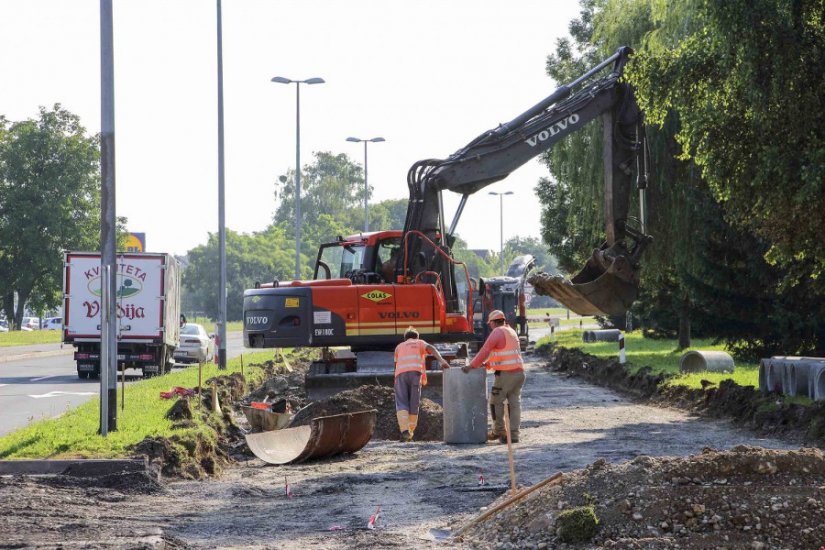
column 368, row 288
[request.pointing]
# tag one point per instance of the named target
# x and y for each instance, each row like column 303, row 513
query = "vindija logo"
column 126, row 286
column 376, row 295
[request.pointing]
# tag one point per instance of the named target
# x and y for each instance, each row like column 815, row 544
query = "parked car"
column 30, row 323
column 4, row 325
column 53, row 323
column 196, row 346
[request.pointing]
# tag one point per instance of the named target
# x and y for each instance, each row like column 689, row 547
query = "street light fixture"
column 501, row 224
column 366, row 186
column 282, row 80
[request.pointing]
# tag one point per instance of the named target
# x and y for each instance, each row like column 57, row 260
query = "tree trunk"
column 684, row 324
column 22, row 298
column 8, row 308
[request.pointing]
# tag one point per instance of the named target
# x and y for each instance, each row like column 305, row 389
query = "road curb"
column 77, row 468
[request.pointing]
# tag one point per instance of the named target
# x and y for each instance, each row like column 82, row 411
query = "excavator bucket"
column 594, row 290
column 325, row 436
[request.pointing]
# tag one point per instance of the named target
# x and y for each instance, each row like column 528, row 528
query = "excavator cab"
column 364, row 259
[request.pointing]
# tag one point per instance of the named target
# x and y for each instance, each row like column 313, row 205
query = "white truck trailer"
column 148, row 311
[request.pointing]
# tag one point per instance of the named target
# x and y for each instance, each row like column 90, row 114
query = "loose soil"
column 655, row 477
column 430, row 415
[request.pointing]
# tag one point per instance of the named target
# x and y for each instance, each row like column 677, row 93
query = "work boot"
column 503, row 439
column 406, row 436
column 492, row 435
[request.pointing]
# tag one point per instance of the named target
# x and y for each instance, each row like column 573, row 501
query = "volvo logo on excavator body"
column 553, row 130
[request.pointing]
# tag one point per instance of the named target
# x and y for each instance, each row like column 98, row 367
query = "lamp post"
column 282, row 80
column 501, row 224
column 366, row 185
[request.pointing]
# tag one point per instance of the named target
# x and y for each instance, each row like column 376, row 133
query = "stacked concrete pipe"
column 606, row 335
column 792, row 375
column 700, row 361
column 816, row 380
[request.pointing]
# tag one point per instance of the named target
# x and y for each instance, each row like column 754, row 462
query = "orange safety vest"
column 411, row 355
column 509, row 357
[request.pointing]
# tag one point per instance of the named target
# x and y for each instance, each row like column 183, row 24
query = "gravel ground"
column 567, row 425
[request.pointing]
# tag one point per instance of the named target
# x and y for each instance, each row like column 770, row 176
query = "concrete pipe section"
column 817, row 382
column 771, row 375
column 465, row 406
column 764, row 371
column 325, row 436
column 701, row 361
column 792, row 375
column 606, row 335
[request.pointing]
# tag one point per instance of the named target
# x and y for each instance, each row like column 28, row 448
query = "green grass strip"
column 660, row 355
column 75, row 433
column 29, row 338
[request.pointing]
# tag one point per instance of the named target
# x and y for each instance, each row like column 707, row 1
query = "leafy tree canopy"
column 49, row 202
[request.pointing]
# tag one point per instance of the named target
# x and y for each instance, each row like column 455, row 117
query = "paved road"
column 41, row 381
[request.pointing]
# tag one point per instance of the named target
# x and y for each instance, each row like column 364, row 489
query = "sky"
column 426, row 75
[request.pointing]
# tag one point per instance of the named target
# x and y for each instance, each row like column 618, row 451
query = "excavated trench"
column 768, row 413
column 196, row 454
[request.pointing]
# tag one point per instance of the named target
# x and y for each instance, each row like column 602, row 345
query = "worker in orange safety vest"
column 410, row 376
column 502, row 354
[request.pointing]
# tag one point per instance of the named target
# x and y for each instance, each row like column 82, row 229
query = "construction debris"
column 748, row 497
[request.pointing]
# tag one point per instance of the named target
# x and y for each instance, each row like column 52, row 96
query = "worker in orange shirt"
column 410, row 376
column 501, row 353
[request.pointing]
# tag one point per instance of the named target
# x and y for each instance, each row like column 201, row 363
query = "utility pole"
column 108, row 239
column 221, row 206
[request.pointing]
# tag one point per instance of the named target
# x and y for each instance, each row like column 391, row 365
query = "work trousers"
column 506, row 387
column 408, row 391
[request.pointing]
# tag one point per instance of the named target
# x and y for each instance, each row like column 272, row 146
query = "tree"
column 388, row 214
column 49, row 202
column 747, row 81
column 719, row 82
column 259, row 257
column 331, row 184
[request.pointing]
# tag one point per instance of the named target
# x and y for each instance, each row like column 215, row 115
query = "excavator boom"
column 608, row 284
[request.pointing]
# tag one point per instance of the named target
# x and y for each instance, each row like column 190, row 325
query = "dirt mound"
column 181, row 410
column 188, row 456
column 195, row 453
column 127, row 483
column 748, row 497
column 382, row 398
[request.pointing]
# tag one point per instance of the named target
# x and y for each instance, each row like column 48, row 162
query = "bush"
column 577, row 524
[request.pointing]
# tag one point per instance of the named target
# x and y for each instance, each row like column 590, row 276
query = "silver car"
column 196, row 346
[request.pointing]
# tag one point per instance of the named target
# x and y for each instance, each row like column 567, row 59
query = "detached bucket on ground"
column 701, row 361
column 325, row 436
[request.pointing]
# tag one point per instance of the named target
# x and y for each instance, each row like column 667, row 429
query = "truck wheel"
column 83, row 375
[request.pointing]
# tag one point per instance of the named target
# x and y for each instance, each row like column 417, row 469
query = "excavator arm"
column 609, row 282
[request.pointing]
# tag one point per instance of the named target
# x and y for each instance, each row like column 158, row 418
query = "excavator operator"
column 501, row 353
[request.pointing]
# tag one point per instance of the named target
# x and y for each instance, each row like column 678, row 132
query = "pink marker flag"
column 374, row 518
